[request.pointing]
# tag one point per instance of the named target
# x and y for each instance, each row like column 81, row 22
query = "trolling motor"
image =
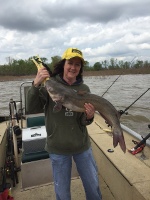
column 139, row 145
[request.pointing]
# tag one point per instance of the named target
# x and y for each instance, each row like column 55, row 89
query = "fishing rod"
column 117, row 78
column 124, row 111
column 111, row 85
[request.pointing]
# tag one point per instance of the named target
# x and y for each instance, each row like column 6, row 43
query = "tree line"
column 27, row 67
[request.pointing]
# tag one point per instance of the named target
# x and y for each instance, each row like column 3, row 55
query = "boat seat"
column 34, row 156
column 35, row 121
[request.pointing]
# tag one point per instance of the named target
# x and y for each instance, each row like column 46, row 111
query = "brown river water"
column 124, row 91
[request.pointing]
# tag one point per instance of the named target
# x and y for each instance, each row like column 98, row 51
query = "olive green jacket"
column 66, row 129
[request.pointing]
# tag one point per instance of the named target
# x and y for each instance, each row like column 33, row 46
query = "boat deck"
column 122, row 176
column 45, row 192
column 127, row 175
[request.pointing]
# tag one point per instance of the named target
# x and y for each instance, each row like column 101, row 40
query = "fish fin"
column 119, row 138
column 106, row 120
column 57, row 107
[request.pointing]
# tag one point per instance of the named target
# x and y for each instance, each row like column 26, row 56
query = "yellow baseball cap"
column 71, row 53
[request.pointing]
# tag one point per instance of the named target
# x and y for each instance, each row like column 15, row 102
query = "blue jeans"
column 86, row 166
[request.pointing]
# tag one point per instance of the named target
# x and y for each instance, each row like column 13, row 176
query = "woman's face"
column 72, row 68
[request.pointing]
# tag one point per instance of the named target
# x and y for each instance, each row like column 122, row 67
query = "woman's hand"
column 89, row 110
column 41, row 75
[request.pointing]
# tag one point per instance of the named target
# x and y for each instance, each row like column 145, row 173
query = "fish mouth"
column 48, row 87
column 56, row 97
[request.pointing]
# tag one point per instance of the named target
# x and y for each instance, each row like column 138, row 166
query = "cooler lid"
column 34, row 133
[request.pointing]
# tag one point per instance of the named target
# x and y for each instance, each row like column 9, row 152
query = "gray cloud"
column 100, row 28
column 33, row 16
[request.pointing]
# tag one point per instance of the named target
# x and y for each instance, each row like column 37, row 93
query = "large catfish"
column 75, row 101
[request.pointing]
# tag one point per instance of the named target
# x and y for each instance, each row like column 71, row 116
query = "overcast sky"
column 102, row 29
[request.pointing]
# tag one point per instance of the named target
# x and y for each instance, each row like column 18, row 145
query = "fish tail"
column 119, row 138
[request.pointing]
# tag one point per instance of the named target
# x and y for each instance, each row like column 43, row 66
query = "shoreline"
column 86, row 73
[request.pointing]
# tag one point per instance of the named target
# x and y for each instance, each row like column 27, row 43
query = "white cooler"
column 33, row 139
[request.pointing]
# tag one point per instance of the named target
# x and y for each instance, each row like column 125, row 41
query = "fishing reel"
column 121, row 112
column 138, row 149
column 139, row 145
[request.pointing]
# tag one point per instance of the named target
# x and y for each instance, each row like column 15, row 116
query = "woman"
column 67, row 135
